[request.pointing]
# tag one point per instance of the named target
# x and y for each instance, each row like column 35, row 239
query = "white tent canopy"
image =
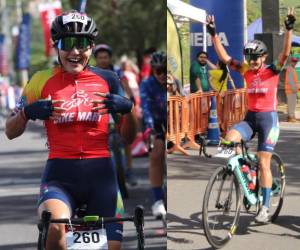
column 179, row 8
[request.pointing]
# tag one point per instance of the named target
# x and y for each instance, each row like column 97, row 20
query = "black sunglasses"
column 252, row 57
column 80, row 43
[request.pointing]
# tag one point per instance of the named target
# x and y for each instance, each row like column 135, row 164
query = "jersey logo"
column 77, row 99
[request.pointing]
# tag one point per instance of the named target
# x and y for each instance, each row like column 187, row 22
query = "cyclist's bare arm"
column 129, row 128
column 198, row 84
column 219, row 48
column 287, row 42
column 211, row 65
column 15, row 125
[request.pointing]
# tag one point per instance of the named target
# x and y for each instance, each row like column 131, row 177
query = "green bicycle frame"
column 234, row 165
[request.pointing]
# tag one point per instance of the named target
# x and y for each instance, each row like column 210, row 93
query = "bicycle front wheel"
column 221, row 207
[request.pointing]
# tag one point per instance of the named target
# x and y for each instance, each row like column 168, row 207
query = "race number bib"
column 87, row 239
column 75, row 17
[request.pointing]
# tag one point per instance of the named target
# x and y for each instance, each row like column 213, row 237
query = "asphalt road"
column 187, row 180
column 21, row 164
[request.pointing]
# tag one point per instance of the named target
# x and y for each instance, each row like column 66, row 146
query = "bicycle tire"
column 221, row 172
column 281, row 170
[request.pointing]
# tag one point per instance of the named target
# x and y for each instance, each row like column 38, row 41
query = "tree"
column 129, row 26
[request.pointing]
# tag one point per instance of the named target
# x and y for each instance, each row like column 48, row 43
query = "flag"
column 48, row 12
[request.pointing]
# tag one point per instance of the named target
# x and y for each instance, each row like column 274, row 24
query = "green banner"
column 174, row 48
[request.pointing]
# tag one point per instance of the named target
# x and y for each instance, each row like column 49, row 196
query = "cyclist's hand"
column 210, row 25
column 112, row 104
column 41, row 109
column 290, row 19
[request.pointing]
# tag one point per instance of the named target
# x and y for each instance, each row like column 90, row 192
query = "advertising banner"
column 174, row 48
column 229, row 17
column 23, row 43
column 3, row 56
column 48, row 11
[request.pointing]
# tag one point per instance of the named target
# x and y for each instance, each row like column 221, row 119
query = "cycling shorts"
column 90, row 182
column 265, row 124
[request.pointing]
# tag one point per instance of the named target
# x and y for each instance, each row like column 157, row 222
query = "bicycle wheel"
column 278, row 186
column 221, row 207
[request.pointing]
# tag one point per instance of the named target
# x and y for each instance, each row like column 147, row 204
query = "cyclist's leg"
column 56, row 234
column 156, row 173
column 243, row 130
column 104, row 198
column 267, row 139
column 58, row 181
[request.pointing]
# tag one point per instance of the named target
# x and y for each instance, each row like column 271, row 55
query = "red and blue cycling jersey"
column 80, row 132
column 261, row 85
column 154, row 103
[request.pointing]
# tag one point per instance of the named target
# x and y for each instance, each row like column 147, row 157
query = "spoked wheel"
column 221, row 207
column 278, row 186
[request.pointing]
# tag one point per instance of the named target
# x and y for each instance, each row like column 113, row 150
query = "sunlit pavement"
column 187, row 180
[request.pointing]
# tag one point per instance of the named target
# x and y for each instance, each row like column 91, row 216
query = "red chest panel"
column 80, row 132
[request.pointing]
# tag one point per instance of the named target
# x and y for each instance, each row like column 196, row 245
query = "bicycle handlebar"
column 96, row 221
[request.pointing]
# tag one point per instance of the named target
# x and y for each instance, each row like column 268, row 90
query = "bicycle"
column 88, row 232
column 229, row 184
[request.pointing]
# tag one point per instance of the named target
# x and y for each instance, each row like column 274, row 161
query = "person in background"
column 103, row 57
column 199, row 79
column 154, row 106
column 146, row 67
column 173, row 85
column 291, row 86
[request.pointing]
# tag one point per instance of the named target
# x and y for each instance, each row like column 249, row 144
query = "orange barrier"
column 188, row 116
column 232, row 108
column 198, row 105
column 177, row 120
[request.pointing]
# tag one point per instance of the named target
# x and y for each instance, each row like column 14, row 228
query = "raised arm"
column 287, row 43
column 219, row 48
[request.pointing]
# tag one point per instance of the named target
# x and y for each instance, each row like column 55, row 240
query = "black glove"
column 41, row 109
column 289, row 22
column 211, row 27
column 118, row 104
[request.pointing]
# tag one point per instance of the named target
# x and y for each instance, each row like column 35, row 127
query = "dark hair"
column 102, row 47
column 201, row 52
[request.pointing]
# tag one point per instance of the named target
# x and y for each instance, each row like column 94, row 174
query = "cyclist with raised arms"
column 74, row 100
column 261, row 83
column 154, row 105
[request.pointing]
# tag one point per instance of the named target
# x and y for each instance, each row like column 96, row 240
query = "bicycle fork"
column 227, row 203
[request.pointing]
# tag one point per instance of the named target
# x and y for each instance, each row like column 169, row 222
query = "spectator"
column 291, row 89
column 173, row 85
column 103, row 56
column 154, row 105
column 199, row 80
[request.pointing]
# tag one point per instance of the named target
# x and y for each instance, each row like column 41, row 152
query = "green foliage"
column 130, row 26
column 254, row 11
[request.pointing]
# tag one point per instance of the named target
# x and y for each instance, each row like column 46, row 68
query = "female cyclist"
column 74, row 100
column 261, row 83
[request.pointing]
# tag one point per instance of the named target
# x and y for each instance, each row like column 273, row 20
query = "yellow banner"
column 173, row 48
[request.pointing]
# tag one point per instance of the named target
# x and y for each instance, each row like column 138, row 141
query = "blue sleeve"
column 145, row 103
column 112, row 78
